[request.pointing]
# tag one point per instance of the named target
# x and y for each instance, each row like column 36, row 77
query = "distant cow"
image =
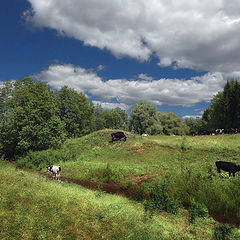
column 228, row 167
column 55, row 170
column 118, row 136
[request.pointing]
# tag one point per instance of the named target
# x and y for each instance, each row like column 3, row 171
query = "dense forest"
column 33, row 117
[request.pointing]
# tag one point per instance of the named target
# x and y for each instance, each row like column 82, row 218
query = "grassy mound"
column 142, row 163
column 33, row 207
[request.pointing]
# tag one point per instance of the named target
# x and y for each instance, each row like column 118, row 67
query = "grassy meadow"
column 176, row 192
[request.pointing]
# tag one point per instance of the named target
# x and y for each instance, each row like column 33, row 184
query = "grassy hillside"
column 34, row 207
column 149, row 167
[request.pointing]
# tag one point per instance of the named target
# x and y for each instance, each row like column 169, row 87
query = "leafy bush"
column 160, row 199
column 197, row 210
column 107, row 174
column 225, row 232
column 42, row 159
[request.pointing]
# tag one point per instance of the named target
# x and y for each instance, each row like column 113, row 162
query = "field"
column 165, row 187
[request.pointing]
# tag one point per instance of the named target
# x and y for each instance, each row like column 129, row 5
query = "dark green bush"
column 160, row 199
column 42, row 159
column 197, row 210
column 107, row 174
column 225, row 232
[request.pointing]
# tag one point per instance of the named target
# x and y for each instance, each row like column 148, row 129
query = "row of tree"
column 32, row 117
column 224, row 111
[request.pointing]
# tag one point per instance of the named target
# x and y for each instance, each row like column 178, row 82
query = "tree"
column 224, row 111
column 99, row 121
column 124, row 116
column 112, row 119
column 75, row 111
column 144, row 119
column 28, row 119
column 214, row 115
column 116, row 118
column 172, row 124
column 196, row 126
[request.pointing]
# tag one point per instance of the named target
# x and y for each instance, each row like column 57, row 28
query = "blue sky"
column 175, row 54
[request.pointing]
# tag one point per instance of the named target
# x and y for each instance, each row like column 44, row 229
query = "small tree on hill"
column 75, row 112
column 144, row 119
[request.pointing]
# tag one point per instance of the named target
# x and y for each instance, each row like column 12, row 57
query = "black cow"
column 118, row 136
column 228, row 167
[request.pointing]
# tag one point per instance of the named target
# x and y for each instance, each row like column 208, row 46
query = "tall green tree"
column 28, row 119
column 99, row 121
column 224, row 111
column 172, row 124
column 75, row 112
column 116, row 118
column 124, row 116
column 144, row 119
column 113, row 119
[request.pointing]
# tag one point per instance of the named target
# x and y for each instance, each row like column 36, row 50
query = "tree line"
column 33, row 117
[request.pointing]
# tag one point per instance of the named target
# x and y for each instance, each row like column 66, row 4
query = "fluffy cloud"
column 109, row 105
column 125, row 93
column 183, row 34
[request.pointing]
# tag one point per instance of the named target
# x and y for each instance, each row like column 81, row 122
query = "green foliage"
column 225, row 232
column 116, row 118
column 107, row 174
column 224, row 111
column 184, row 145
column 29, row 120
column 196, row 126
column 172, row 124
column 75, row 112
column 160, row 199
column 144, row 119
column 197, row 210
column 42, row 159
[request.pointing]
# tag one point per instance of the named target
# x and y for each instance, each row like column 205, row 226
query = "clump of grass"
column 226, row 232
column 42, row 159
column 160, row 199
column 197, row 210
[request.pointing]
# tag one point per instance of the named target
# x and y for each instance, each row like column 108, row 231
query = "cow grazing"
column 55, row 170
column 118, row 136
column 228, row 167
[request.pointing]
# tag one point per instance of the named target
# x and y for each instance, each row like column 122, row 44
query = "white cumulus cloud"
column 196, row 34
column 127, row 92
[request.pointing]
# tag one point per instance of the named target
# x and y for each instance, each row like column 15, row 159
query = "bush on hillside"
column 42, row 159
column 197, row 210
column 160, row 199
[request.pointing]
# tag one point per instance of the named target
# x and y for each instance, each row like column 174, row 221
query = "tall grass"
column 33, row 207
column 188, row 162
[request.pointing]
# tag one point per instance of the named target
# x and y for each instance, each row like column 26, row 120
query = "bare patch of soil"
column 136, row 149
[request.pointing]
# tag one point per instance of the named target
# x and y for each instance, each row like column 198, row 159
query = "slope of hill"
column 145, row 167
column 34, row 207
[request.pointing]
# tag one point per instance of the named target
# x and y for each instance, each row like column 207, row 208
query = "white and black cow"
column 118, row 136
column 55, row 170
column 228, row 167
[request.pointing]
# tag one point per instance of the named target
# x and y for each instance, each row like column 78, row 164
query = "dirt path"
column 111, row 188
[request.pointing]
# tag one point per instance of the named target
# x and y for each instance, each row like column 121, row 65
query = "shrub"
column 160, row 199
column 197, row 210
column 42, row 159
column 225, row 232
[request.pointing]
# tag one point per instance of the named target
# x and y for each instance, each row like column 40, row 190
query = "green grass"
column 187, row 162
column 33, row 207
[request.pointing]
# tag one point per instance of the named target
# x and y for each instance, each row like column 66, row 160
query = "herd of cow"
column 218, row 131
column 229, row 167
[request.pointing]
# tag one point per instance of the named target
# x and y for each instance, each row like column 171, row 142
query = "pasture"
column 148, row 167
